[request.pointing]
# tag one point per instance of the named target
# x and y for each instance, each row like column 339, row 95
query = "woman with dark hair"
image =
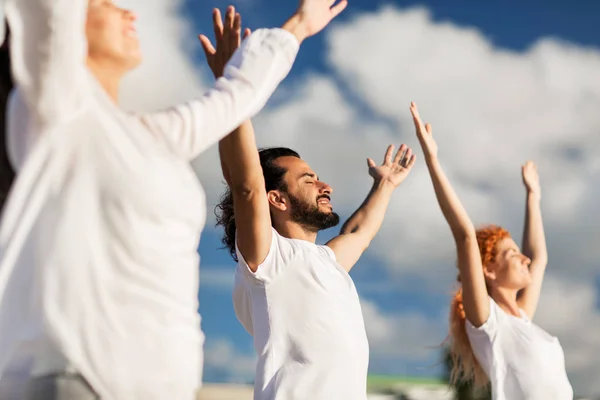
column 99, row 237
column 492, row 338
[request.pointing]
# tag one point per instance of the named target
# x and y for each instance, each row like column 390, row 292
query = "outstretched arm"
column 363, row 225
column 475, row 297
column 534, row 240
column 248, row 81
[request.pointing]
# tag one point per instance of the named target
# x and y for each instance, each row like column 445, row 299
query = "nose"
column 130, row 15
column 325, row 188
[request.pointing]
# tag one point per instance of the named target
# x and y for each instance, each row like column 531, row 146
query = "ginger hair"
column 465, row 367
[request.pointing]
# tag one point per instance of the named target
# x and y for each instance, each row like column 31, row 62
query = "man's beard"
column 310, row 217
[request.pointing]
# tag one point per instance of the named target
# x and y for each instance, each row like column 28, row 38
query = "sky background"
column 501, row 82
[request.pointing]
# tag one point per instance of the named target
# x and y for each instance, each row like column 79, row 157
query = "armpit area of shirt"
column 490, row 325
column 262, row 274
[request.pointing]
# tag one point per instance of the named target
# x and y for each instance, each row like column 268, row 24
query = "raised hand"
column 424, row 133
column 312, row 16
column 531, row 178
column 393, row 170
column 228, row 37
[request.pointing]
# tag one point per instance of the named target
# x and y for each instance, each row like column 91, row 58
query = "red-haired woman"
column 492, row 336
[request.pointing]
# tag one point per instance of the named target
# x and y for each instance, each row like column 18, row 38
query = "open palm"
column 393, row 170
column 317, row 14
column 228, row 37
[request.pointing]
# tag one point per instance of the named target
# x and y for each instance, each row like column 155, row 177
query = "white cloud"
column 167, row 74
column 222, row 358
column 395, row 335
column 491, row 110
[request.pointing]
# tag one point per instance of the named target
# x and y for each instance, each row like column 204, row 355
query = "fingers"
column 237, row 23
column 208, row 47
column 416, row 117
column 411, row 162
column 228, row 36
column 217, row 25
column 227, row 39
column 247, row 32
column 400, row 155
column 428, row 128
column 406, row 158
column 338, row 8
column 387, row 159
column 235, row 36
column 371, row 163
column 229, row 17
column 529, row 165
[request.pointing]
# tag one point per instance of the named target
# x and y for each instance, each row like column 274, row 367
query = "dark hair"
column 273, row 175
column 7, row 174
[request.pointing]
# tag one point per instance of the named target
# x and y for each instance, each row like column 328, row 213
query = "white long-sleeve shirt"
column 99, row 235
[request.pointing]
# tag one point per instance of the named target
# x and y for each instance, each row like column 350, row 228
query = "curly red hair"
column 465, row 365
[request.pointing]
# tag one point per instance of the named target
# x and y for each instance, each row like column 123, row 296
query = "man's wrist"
column 383, row 184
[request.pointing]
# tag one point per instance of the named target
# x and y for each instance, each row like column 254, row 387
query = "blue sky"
column 512, row 24
column 502, row 81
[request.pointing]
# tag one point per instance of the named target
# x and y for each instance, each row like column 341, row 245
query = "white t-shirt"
column 522, row 361
column 99, row 236
column 303, row 310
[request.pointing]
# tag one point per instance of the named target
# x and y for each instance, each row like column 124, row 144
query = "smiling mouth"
column 324, row 200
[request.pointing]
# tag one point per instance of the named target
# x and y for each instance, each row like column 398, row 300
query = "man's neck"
column 293, row 230
column 108, row 77
column 506, row 300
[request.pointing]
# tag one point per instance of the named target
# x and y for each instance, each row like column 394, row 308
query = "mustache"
column 323, row 196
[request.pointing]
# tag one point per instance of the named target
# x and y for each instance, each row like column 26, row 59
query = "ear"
column 277, row 199
column 489, row 272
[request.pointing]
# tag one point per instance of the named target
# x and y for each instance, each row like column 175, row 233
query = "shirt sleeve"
column 48, row 52
column 328, row 252
column 250, row 78
column 279, row 254
column 489, row 327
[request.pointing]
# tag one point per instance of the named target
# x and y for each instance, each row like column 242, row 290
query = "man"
column 294, row 297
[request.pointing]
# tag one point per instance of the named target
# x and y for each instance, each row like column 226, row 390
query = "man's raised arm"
column 240, row 161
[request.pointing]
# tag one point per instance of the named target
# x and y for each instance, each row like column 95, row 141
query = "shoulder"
column 281, row 252
column 491, row 326
column 327, row 252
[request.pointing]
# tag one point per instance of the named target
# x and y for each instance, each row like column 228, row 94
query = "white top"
column 99, row 237
column 522, row 361
column 303, row 310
